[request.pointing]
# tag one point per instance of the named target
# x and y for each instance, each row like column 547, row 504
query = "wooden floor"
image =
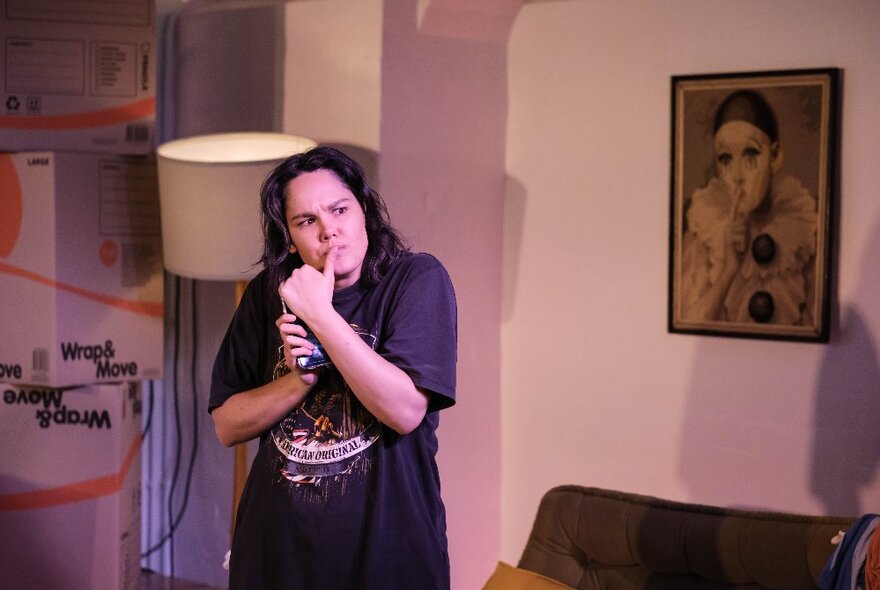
column 153, row 581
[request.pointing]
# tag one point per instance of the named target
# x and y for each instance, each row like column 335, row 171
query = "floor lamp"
column 209, row 192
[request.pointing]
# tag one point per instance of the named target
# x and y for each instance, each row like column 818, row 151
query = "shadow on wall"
column 367, row 158
column 740, row 445
column 846, row 443
column 515, row 197
column 203, row 85
column 751, row 427
column 443, row 119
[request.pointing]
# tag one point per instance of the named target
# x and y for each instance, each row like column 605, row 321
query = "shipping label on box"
column 81, row 275
column 78, row 76
column 70, row 486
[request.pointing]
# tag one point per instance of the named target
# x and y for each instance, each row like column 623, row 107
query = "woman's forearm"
column 384, row 389
column 249, row 414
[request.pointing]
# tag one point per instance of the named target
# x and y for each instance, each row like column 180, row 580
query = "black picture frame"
column 749, row 255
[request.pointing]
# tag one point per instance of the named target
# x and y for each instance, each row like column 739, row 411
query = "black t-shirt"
column 335, row 499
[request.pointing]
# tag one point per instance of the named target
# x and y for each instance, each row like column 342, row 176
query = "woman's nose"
column 328, row 230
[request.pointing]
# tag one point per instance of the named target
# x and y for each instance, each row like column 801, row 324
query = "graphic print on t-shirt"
column 322, row 441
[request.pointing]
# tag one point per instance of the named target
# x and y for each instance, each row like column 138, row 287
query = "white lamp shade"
column 209, row 192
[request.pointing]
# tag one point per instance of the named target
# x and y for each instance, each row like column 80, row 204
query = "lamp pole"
column 240, row 469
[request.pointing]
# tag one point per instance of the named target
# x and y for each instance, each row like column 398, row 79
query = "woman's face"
column 745, row 159
column 322, row 213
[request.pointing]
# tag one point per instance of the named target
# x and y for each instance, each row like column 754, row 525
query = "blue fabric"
column 841, row 570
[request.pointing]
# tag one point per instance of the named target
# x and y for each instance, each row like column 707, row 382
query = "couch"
column 597, row 539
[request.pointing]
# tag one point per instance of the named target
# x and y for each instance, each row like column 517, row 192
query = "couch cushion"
column 507, row 577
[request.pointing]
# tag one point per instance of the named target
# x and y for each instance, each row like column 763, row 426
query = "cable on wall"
column 175, row 520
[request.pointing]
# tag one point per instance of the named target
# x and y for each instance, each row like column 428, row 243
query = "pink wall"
column 443, row 116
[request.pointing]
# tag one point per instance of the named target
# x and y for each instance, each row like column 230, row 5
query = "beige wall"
column 332, row 85
column 595, row 391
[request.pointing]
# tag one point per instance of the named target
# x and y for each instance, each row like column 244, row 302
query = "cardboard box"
column 81, row 275
column 78, row 76
column 70, row 487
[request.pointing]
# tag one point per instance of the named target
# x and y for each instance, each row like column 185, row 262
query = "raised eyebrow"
column 338, row 202
column 335, row 204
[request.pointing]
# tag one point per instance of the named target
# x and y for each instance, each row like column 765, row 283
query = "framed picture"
column 753, row 183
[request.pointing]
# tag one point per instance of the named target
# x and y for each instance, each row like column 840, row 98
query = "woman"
column 344, row 490
column 751, row 231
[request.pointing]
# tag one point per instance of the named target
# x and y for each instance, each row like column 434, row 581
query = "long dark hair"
column 384, row 244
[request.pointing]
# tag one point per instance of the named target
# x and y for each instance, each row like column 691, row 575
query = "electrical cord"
column 174, row 522
column 177, row 427
column 149, row 423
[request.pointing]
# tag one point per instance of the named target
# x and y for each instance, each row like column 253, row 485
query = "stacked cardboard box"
column 70, row 493
column 81, row 273
column 81, row 282
column 78, row 76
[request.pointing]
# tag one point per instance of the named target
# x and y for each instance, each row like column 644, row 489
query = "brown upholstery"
column 594, row 539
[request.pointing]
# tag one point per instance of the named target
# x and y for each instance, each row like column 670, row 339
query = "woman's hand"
column 308, row 292
column 293, row 338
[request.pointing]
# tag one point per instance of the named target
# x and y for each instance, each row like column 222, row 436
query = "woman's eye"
column 340, row 210
column 751, row 153
column 724, row 159
column 307, row 221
